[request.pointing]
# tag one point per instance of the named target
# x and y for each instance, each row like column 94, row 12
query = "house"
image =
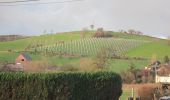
column 23, row 58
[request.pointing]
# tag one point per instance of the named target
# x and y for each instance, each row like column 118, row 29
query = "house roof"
column 26, row 56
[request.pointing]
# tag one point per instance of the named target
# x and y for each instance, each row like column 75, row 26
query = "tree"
column 102, row 58
column 169, row 40
column 87, row 64
column 84, row 32
column 99, row 33
column 134, row 72
column 139, row 33
column 166, row 59
column 127, row 77
column 153, row 58
column 131, row 31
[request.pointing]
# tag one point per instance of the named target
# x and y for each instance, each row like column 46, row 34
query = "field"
column 147, row 50
column 71, row 43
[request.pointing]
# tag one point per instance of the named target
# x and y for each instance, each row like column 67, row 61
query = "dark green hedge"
column 60, row 86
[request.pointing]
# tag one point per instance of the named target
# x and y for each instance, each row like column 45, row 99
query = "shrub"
column 35, row 66
column 100, row 33
column 127, row 77
column 146, row 92
column 166, row 59
column 87, row 64
column 60, row 86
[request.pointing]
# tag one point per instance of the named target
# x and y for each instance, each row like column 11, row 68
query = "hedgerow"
column 60, row 86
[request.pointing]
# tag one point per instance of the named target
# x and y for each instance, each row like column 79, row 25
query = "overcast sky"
column 149, row 16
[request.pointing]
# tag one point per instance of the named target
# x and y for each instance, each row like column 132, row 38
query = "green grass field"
column 122, row 65
column 150, row 49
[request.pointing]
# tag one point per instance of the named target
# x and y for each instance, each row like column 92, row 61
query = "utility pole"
column 156, row 64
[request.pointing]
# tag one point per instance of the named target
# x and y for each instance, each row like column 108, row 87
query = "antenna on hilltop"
column 92, row 25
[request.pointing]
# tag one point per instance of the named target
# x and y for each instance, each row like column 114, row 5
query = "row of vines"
column 90, row 46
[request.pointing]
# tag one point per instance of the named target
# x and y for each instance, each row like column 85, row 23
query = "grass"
column 125, row 95
column 57, row 61
column 127, row 92
column 122, row 65
column 136, row 37
column 8, row 57
column 150, row 49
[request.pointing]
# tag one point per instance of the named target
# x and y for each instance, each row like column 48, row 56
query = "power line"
column 8, row 2
column 40, row 3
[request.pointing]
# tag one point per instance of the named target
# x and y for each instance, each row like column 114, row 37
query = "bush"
column 60, row 86
column 127, row 77
column 100, row 33
column 146, row 92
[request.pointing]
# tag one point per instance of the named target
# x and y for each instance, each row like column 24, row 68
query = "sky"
column 152, row 17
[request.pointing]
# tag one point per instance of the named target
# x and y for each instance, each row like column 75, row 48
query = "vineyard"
column 90, row 46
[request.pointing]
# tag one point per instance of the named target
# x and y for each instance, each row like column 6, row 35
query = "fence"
column 131, row 92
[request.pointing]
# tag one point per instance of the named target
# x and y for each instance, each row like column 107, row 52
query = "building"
column 23, row 58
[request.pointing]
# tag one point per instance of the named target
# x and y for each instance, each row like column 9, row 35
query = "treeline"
column 4, row 38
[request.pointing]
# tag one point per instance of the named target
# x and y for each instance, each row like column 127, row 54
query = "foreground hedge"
column 60, row 86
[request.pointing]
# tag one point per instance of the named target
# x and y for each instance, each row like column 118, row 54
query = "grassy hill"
column 67, row 36
column 130, row 45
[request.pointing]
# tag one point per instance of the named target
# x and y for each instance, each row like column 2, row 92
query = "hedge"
column 60, row 86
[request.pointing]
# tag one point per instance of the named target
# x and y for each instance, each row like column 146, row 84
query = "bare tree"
column 166, row 59
column 122, row 31
column 131, row 31
column 169, row 40
column 84, row 32
column 99, row 33
column 139, row 33
column 153, row 58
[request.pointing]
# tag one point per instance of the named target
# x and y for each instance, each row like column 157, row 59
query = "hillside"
column 66, row 36
column 72, row 43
